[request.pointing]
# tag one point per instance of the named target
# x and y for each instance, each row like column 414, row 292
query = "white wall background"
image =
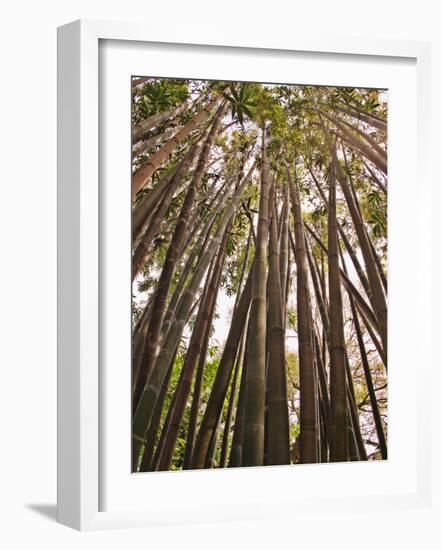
column 28, row 267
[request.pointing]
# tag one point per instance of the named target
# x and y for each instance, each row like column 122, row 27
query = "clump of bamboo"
column 298, row 246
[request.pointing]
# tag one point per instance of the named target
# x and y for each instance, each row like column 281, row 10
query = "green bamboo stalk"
column 253, row 444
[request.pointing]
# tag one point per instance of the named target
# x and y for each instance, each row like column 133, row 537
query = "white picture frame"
column 80, row 437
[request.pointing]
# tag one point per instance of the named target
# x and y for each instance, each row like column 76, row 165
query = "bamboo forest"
column 259, row 274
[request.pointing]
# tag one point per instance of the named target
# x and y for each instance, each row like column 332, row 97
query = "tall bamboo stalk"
column 232, row 401
column 235, row 459
column 139, row 130
column 284, row 249
column 308, row 417
column 253, row 444
column 278, row 418
column 338, row 384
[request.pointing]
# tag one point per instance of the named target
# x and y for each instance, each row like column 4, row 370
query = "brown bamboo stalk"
column 232, row 400
column 143, row 175
column 308, row 417
column 140, row 129
column 338, row 402
column 253, row 444
column 235, row 458
column 278, row 419
column 375, row 179
column 377, row 261
column 284, row 249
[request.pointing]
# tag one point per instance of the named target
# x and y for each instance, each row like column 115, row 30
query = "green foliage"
column 292, row 361
column 243, row 99
column 375, row 212
column 292, row 318
column 158, row 95
column 295, row 430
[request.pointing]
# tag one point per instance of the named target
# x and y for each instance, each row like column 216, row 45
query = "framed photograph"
column 235, row 223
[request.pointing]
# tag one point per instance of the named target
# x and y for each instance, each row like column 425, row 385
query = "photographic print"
column 259, row 274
